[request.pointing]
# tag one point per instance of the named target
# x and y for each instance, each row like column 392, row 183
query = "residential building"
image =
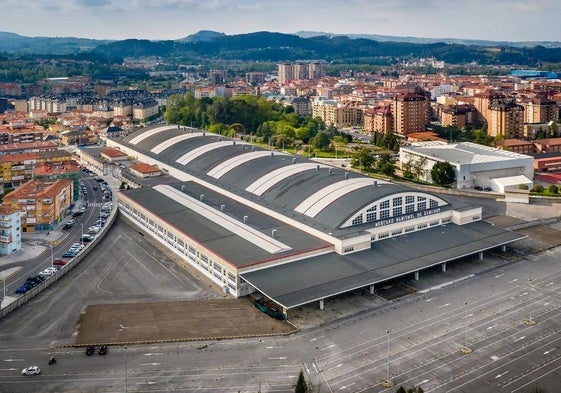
column 10, row 230
column 145, row 109
column 458, row 115
column 44, row 203
column 409, row 112
column 539, row 110
column 506, row 120
column 142, row 170
column 334, row 114
column 378, row 119
column 255, row 78
column 483, row 100
column 302, row 106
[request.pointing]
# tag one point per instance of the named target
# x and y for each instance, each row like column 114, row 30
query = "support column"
column 481, row 256
column 321, row 304
column 443, row 267
column 371, row 289
column 417, row 275
column 503, row 248
column 285, row 312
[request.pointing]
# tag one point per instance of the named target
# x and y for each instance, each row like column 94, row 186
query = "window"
column 434, row 223
column 348, row 249
column 357, row 220
column 422, row 226
column 433, row 204
column 446, row 220
column 422, row 206
column 385, row 205
column 383, row 235
column 409, row 199
column 409, row 208
column 384, row 214
column 421, row 198
column 397, row 232
column 370, row 216
column 475, row 218
column 398, row 201
column 410, row 228
column 397, row 211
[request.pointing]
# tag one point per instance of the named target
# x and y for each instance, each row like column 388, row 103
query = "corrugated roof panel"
column 149, row 133
column 172, row 141
column 220, row 170
column 193, row 154
column 250, row 234
column 261, row 185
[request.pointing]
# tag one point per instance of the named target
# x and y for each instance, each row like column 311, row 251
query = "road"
column 426, row 331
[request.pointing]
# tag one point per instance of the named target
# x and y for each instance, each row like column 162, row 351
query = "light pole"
column 52, row 257
column 387, row 383
column 82, row 233
column 530, row 321
column 126, row 371
column 464, row 348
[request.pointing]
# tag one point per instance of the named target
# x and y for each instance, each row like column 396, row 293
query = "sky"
column 496, row 20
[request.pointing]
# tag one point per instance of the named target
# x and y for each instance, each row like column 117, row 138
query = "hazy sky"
column 505, row 20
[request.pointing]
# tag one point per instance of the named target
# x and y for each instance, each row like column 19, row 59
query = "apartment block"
column 337, row 115
column 10, row 230
column 539, row 110
column 506, row 120
column 458, row 115
column 378, row 120
column 300, row 71
column 409, row 113
column 483, row 100
column 43, row 203
column 255, row 78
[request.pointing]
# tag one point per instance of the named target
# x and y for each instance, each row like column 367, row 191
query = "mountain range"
column 275, row 47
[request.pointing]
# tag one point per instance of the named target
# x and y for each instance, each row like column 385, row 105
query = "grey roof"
column 282, row 196
column 301, row 282
column 229, row 245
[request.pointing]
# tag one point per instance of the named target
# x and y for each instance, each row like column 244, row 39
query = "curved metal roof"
column 322, row 196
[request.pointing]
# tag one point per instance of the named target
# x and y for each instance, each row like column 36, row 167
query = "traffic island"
column 465, row 350
column 529, row 322
column 387, row 383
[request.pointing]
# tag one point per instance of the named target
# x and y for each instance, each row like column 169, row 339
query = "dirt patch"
column 175, row 321
column 504, row 221
column 546, row 235
column 395, row 291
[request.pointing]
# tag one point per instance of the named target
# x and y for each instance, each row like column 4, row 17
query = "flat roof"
column 223, row 231
column 301, row 282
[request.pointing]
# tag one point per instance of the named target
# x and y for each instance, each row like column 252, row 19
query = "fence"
column 64, row 269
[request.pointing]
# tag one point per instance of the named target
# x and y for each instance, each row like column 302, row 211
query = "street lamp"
column 52, row 257
column 82, row 233
column 387, row 383
column 530, row 321
column 464, row 348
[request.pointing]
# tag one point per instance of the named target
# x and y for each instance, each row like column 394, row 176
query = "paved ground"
column 176, row 321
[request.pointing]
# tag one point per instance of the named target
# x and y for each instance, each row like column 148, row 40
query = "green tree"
column 321, row 141
column 386, row 165
column 363, row 159
column 537, row 188
column 553, row 189
column 301, row 385
column 443, row 173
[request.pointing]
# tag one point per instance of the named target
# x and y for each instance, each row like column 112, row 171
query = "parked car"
column 87, row 237
column 94, row 229
column 77, row 213
column 90, row 350
column 67, row 226
column 69, row 254
column 21, row 289
column 31, row 370
column 59, row 262
column 35, row 279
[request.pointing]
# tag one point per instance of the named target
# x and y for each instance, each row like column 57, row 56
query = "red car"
column 59, row 262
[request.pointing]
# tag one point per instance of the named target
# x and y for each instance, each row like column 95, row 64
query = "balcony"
column 5, row 239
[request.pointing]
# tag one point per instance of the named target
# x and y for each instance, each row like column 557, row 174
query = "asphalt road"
column 350, row 355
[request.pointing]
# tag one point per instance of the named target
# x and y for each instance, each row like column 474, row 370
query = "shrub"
column 553, row 189
column 537, row 188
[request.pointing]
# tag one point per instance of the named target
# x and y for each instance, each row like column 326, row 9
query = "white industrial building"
column 475, row 165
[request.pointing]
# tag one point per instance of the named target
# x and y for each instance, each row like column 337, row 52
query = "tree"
column 443, row 173
column 321, row 141
column 301, row 385
column 537, row 188
column 362, row 159
column 386, row 165
column 553, row 189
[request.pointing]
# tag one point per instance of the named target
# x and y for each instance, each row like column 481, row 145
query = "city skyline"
column 500, row 20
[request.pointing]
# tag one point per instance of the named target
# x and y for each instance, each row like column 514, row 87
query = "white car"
column 31, row 370
column 94, row 229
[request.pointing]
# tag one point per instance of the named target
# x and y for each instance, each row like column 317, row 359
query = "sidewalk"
column 32, row 245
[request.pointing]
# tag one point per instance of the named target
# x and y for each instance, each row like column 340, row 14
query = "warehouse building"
column 254, row 220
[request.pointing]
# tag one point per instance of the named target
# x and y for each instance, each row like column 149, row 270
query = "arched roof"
column 303, row 189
